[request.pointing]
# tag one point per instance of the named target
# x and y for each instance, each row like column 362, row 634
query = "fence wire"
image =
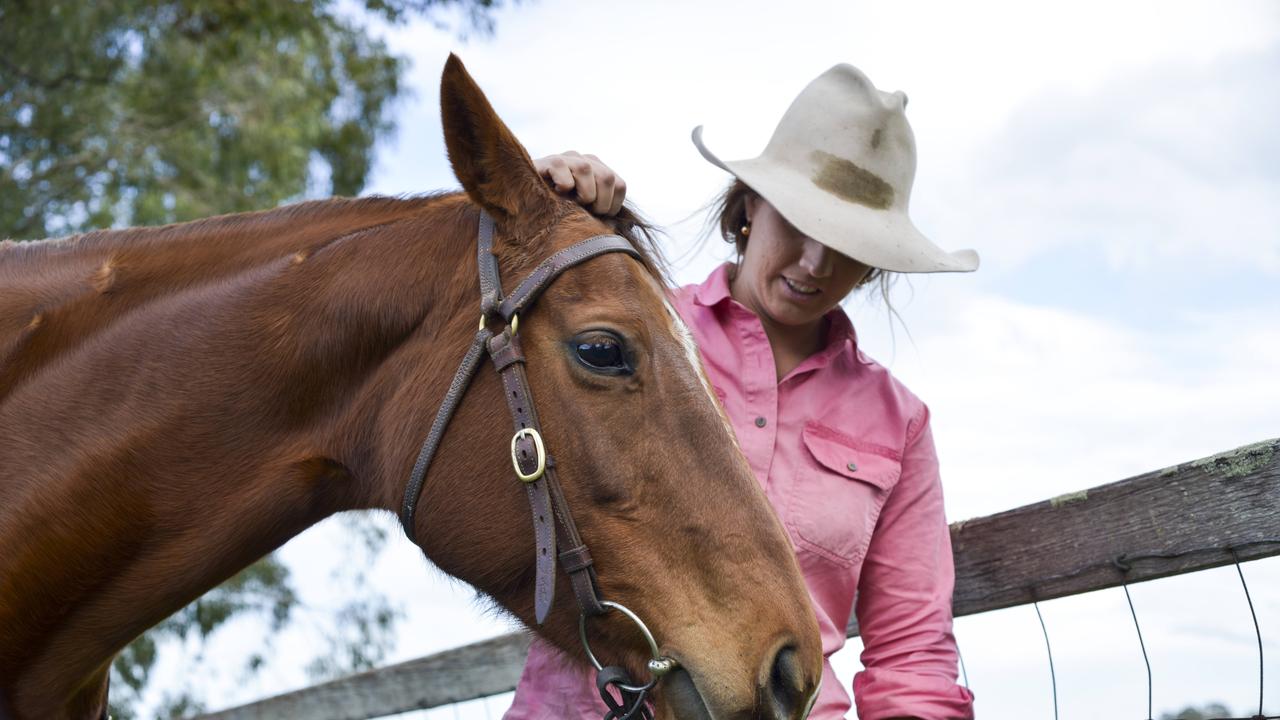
column 1124, row 563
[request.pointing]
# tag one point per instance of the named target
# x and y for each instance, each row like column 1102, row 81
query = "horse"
column 179, row 401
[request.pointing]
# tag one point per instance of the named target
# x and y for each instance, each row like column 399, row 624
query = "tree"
column 1212, row 710
column 140, row 112
column 358, row 633
column 262, row 588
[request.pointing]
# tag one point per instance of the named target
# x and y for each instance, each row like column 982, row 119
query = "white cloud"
column 1144, row 128
column 1034, row 401
column 1175, row 165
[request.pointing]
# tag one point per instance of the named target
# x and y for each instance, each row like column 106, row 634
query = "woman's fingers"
column 595, row 185
column 619, row 195
column 555, row 170
column 606, row 187
column 584, row 178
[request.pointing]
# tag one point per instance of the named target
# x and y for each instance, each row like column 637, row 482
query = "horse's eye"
column 602, row 354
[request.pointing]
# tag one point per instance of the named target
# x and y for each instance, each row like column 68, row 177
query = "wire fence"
column 1214, row 512
column 493, row 707
column 1124, row 565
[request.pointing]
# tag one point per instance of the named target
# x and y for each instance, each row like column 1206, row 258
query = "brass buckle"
column 538, row 448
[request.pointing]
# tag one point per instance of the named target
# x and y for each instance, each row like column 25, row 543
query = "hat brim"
column 885, row 239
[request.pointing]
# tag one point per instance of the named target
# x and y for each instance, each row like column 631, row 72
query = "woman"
column 842, row 449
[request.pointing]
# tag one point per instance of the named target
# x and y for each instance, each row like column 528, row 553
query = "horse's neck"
column 176, row 436
column 58, row 294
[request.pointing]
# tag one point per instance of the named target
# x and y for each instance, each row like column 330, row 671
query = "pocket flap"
column 858, row 464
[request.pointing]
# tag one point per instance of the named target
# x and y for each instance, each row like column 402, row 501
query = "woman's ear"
column 750, row 205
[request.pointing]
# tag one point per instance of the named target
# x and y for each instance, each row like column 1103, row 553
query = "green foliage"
column 1212, row 710
column 365, row 635
column 356, row 634
column 139, row 112
column 365, row 630
column 261, row 590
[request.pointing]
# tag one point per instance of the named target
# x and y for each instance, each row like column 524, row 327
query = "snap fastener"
column 853, row 467
column 760, row 421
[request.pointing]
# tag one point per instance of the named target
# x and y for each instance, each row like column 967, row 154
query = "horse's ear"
column 491, row 164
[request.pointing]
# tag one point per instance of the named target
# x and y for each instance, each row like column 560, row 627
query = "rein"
column 553, row 524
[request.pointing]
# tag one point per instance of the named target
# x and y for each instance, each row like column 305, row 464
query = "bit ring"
column 658, row 664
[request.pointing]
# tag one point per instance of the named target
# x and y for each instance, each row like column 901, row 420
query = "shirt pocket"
column 837, row 495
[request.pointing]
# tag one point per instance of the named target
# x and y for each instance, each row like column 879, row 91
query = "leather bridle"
column 533, row 465
column 552, row 522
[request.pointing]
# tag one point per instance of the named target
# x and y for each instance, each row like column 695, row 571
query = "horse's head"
column 679, row 530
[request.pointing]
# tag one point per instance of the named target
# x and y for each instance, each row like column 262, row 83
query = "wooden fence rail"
column 1193, row 516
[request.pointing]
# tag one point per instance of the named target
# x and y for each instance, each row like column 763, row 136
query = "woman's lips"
column 800, row 290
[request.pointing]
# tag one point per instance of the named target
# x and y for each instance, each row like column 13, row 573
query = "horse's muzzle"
column 783, row 693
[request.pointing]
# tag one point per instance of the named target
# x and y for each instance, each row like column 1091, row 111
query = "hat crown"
column 839, row 167
column 850, row 139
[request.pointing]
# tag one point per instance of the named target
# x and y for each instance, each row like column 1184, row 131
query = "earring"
column 746, row 230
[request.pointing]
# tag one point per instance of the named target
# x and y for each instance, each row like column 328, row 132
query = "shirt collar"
column 840, row 332
column 715, row 289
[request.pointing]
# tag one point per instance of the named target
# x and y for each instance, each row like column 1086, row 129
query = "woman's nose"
column 816, row 258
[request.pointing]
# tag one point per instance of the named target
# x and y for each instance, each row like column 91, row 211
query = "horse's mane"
column 375, row 209
column 644, row 237
column 356, row 213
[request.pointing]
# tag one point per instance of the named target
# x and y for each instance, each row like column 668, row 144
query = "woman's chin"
column 788, row 314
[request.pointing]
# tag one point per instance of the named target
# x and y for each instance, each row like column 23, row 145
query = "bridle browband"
column 552, row 522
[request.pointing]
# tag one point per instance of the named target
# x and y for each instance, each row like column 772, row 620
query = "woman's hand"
column 592, row 183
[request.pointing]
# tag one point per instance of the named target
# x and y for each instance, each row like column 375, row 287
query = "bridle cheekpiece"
column 552, row 522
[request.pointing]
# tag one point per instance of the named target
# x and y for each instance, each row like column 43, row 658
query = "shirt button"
column 760, row 421
column 853, row 467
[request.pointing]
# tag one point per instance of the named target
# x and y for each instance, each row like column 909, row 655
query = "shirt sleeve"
column 904, row 598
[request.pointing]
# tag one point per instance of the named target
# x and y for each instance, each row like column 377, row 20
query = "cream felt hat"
column 839, row 168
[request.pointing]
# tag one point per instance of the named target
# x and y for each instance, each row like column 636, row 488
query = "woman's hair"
column 730, row 209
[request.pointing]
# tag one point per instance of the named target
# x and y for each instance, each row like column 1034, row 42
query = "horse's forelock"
column 644, row 237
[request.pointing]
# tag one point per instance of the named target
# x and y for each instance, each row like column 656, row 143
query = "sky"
column 1117, row 167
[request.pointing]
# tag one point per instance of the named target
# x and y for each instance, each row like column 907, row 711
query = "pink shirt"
column 846, row 457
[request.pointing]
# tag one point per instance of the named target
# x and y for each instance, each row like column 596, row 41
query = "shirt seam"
column 919, row 420
column 830, row 433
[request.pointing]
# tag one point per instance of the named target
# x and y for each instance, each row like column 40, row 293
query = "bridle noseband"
column 552, row 523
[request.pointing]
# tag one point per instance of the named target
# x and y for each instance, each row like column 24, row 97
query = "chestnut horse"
column 178, row 401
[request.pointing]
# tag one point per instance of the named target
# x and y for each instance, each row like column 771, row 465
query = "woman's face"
column 787, row 277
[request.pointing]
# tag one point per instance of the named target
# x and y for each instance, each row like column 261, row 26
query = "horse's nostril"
column 786, row 691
